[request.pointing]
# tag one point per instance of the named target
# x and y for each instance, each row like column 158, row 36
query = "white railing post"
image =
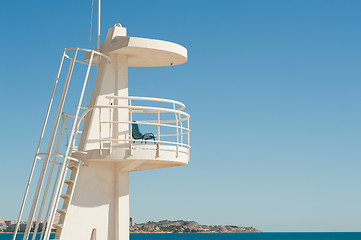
column 188, row 141
column 67, row 130
column 111, row 120
column 176, row 119
column 110, row 129
column 158, row 132
column 130, row 134
column 100, row 132
column 181, row 124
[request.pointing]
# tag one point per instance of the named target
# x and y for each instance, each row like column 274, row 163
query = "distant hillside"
column 181, row 226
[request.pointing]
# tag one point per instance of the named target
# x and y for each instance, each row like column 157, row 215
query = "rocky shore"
column 181, row 226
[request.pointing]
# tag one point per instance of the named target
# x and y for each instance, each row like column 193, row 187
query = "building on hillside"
column 2, row 225
column 10, row 227
column 22, row 227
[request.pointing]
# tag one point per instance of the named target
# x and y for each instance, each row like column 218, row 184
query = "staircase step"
column 73, row 166
column 61, row 211
column 65, row 196
column 59, row 225
column 69, row 181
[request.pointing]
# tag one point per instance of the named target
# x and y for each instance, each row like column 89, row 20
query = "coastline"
column 189, row 232
column 160, row 232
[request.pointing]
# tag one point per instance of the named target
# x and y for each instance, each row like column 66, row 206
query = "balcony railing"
column 162, row 117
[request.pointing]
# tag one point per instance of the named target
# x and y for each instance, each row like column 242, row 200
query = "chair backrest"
column 136, row 134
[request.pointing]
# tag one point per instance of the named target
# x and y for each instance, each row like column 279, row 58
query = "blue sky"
column 272, row 87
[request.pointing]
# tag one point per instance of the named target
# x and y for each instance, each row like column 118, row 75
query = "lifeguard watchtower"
column 88, row 152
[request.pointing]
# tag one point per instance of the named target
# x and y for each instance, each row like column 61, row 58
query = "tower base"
column 100, row 204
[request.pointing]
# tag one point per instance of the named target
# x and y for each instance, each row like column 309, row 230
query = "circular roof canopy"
column 144, row 52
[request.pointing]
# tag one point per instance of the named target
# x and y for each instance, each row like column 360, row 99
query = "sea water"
column 228, row 236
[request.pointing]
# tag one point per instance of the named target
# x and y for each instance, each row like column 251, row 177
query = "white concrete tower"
column 83, row 187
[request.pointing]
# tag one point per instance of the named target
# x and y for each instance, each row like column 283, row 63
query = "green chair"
column 136, row 134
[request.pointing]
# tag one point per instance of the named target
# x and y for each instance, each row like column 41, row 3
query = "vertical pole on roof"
column 98, row 49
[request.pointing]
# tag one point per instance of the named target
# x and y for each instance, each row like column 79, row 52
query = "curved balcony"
column 112, row 127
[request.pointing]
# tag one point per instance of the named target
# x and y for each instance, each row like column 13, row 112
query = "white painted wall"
column 100, row 200
column 112, row 80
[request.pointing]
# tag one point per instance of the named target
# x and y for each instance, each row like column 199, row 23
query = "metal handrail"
column 59, row 155
column 150, row 123
column 152, row 99
column 69, row 115
column 151, row 141
column 86, row 50
column 155, row 109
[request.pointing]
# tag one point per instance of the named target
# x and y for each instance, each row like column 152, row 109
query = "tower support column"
column 122, row 205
